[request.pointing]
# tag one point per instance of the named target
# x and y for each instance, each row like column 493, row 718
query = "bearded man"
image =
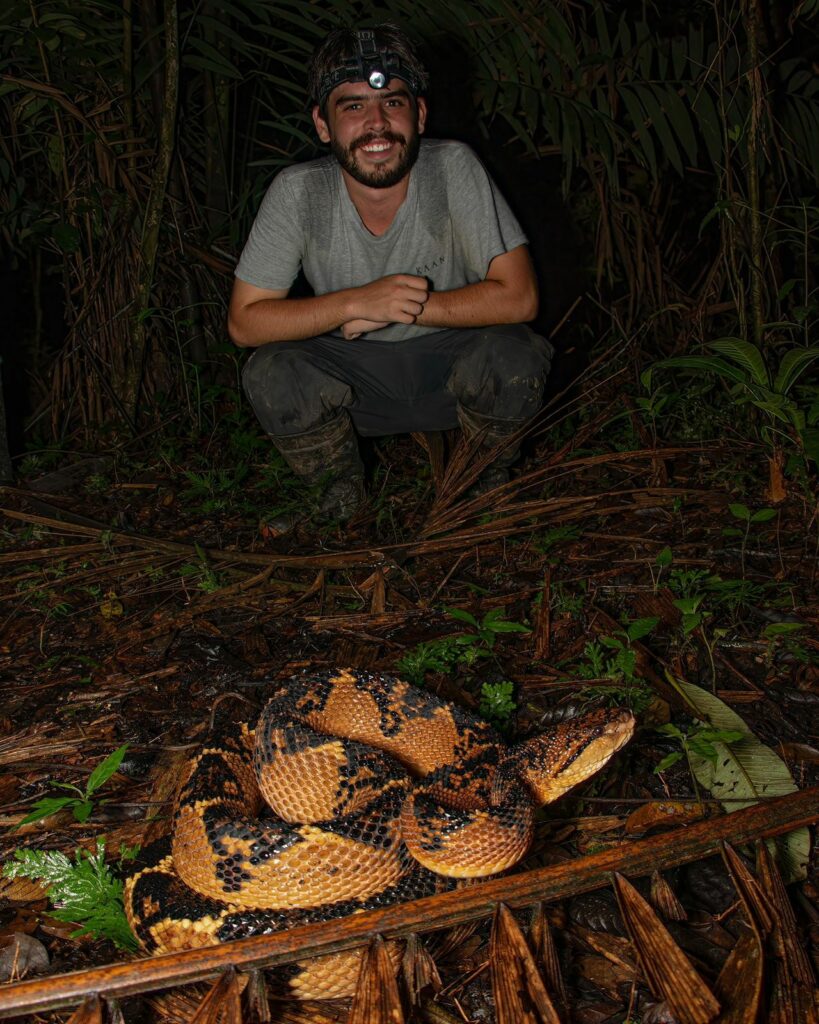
column 421, row 277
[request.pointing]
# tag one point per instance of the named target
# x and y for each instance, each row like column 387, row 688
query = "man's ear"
column 421, row 104
column 321, row 125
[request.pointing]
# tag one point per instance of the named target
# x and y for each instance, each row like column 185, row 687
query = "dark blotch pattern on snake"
column 379, row 792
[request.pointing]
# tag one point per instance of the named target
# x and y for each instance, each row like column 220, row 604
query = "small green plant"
column 440, row 655
column 743, row 366
column 448, row 652
column 780, row 636
column 662, row 561
column 497, row 703
column 626, row 689
column 207, row 579
column 745, row 515
column 544, row 542
column 214, row 490
column 84, row 891
column 486, row 630
column 81, row 804
column 624, row 659
column 698, row 740
column 567, row 602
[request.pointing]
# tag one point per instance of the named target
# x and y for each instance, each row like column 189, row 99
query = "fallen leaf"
column 24, row 955
column 662, row 814
column 111, row 607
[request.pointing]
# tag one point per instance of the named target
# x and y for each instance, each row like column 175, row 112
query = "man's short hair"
column 343, row 46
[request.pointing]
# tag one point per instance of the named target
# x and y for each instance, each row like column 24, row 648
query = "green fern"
column 83, row 891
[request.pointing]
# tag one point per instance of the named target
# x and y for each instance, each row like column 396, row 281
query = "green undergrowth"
column 83, row 891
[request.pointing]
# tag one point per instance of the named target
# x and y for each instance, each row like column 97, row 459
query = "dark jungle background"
column 663, row 158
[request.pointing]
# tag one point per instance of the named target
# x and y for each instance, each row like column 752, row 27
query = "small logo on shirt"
column 427, row 268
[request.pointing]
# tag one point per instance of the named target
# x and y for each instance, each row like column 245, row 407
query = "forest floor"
column 144, row 604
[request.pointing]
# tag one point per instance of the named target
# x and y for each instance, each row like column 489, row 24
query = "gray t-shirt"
column 450, row 227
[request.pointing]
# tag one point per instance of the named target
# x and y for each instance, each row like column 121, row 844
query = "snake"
column 353, row 790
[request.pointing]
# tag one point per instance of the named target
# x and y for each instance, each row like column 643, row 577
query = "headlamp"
column 371, row 65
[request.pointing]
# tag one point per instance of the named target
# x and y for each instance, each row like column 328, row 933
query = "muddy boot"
column 494, row 433
column 326, row 457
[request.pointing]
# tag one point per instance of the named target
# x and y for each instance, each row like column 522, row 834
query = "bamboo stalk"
column 559, row 881
column 156, row 202
column 755, row 86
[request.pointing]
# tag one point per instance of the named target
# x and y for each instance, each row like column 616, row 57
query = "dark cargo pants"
column 396, row 387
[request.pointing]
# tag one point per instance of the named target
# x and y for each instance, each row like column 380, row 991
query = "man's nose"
column 376, row 116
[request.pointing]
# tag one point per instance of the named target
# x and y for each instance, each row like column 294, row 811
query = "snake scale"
column 377, row 792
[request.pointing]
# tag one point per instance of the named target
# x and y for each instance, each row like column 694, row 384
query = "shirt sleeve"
column 274, row 249
column 482, row 219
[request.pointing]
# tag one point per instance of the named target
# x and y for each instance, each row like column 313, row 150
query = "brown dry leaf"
column 597, row 824
column 657, row 713
column 23, row 890
column 258, row 1008
column 789, row 1002
column 65, row 930
column 664, row 899
column 89, row 1012
column 419, row 970
column 378, row 602
column 657, row 605
column 603, row 974
column 787, row 945
column 613, row 947
column 777, row 488
column 23, row 922
column 376, row 1000
column 543, row 946
column 222, row 1004
column 662, row 814
column 799, row 752
column 24, row 955
column 739, row 985
column 9, row 788
column 667, row 969
column 756, row 905
column 518, row 989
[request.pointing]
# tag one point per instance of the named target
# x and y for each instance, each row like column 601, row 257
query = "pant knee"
column 503, row 373
column 289, row 393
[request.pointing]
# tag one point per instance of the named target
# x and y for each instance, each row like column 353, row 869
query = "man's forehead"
column 363, row 90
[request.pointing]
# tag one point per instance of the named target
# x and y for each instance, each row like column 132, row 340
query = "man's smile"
column 381, row 146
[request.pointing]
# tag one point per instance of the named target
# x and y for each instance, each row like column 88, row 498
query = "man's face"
column 374, row 133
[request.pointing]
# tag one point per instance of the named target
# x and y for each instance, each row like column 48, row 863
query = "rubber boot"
column 326, row 457
column 495, row 431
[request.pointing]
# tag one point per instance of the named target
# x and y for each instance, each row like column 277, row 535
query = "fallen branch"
column 559, row 881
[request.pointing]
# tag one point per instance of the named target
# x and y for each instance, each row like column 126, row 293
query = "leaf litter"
column 589, row 578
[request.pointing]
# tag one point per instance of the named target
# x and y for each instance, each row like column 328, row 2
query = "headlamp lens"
column 377, row 79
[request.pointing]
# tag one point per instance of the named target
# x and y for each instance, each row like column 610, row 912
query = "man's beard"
column 379, row 177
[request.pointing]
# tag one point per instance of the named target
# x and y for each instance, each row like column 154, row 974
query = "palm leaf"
column 661, row 127
column 638, row 117
column 793, row 365
column 710, row 364
column 746, row 355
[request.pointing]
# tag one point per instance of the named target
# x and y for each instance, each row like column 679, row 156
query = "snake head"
column 549, row 765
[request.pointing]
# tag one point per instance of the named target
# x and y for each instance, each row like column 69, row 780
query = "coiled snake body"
column 381, row 793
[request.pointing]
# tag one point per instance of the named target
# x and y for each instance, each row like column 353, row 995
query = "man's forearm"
column 480, row 305
column 256, row 318
column 266, row 320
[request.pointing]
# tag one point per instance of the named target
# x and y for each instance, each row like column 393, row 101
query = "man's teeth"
column 377, row 147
